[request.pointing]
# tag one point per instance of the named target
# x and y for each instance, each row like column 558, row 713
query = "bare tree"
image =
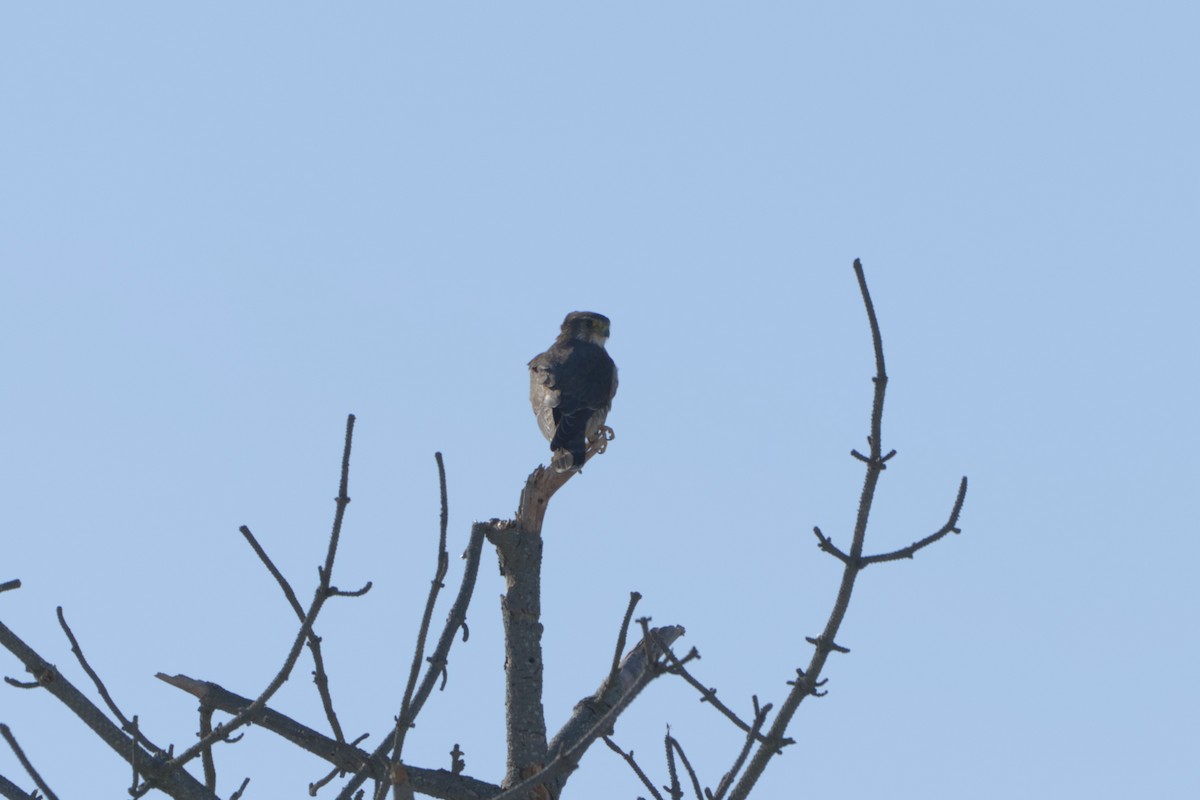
column 538, row 765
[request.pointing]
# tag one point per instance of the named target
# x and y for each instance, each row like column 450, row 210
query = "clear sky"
column 223, row 227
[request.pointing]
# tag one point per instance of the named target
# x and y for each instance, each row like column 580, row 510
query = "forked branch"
column 809, row 680
column 322, row 593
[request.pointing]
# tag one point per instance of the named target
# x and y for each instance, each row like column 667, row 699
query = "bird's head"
column 586, row 325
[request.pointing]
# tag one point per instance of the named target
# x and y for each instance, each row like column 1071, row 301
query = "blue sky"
column 226, row 227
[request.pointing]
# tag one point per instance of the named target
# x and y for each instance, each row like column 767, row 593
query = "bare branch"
column 240, row 790
column 288, row 592
column 673, row 746
column 540, row 486
column 342, row 500
column 100, row 687
column 826, row 544
column 320, row 676
column 455, row 620
column 876, row 461
column 634, row 766
column 636, row 671
column 519, row 545
column 7, row 733
column 406, row 718
column 207, row 760
column 520, row 553
column 10, row 791
column 951, row 526
column 359, row 592
column 316, row 785
column 346, row 757
column 318, row 601
column 165, row 776
column 634, row 597
column 595, row 716
column 760, row 717
column 709, row 695
column 8, row 586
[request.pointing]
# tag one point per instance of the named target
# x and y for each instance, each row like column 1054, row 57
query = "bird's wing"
column 543, row 395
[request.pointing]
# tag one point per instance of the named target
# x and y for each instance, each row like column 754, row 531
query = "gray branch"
column 153, row 767
column 808, row 681
column 346, row 757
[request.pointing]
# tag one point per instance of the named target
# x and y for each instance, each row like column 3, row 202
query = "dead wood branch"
column 153, row 767
column 344, row 756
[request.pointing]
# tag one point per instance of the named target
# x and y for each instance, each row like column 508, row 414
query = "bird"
column 571, row 389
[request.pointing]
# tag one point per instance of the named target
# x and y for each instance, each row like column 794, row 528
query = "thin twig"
column 634, row 766
column 673, row 746
column 675, row 790
column 288, row 593
column 359, row 592
column 175, row 782
column 320, row 676
column 826, row 544
column 951, row 526
column 634, row 597
column 455, row 620
column 99, row 684
column 760, row 717
column 241, row 789
column 7, row 733
column 406, row 719
column 709, row 695
column 8, row 586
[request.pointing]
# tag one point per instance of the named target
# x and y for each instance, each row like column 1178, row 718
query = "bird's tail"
column 569, row 445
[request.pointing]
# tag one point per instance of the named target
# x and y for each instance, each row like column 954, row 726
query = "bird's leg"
column 601, row 437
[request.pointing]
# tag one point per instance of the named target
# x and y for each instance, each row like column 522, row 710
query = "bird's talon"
column 600, row 439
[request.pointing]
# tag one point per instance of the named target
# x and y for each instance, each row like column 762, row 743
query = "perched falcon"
column 571, row 388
